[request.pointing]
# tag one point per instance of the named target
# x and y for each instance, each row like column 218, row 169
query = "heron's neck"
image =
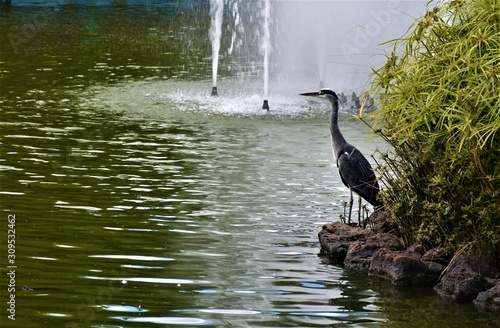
column 337, row 137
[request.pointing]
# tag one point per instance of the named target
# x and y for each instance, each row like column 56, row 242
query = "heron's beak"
column 311, row 94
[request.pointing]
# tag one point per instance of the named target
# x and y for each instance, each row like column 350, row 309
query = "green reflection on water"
column 179, row 218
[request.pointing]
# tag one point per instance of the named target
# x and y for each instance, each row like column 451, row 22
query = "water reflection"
column 168, row 320
column 139, row 200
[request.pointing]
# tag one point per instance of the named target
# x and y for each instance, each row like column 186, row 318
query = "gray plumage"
column 354, row 169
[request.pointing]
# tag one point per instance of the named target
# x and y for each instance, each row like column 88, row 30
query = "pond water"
column 140, row 201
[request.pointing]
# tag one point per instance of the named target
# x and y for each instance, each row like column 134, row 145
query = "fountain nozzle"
column 214, row 92
column 265, row 105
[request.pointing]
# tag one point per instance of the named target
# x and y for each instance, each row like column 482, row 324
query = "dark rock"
column 435, row 270
column 461, row 286
column 414, row 248
column 405, row 268
column 360, row 253
column 481, row 265
column 379, row 221
column 492, row 281
column 466, row 277
column 335, row 239
column 436, row 255
column 489, row 299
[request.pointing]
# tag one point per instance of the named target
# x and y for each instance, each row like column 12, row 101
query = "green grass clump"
column 440, row 110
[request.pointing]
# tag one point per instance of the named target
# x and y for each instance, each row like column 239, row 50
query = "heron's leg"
column 366, row 217
column 359, row 211
column 342, row 217
column 350, row 208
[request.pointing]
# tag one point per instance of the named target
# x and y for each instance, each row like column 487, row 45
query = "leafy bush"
column 440, row 110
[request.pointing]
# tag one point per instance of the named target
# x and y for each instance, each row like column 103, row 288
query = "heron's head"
column 323, row 93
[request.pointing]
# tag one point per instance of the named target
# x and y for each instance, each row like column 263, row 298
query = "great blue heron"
column 354, row 169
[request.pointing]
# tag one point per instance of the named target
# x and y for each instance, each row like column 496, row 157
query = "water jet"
column 216, row 11
column 266, row 45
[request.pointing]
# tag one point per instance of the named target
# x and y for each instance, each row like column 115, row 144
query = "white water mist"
column 266, row 43
column 216, row 14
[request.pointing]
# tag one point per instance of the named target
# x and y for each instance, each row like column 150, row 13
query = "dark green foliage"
column 440, row 110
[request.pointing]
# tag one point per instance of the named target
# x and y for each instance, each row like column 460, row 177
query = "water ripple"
column 173, row 281
column 122, row 308
column 167, row 320
column 134, row 257
column 230, row 311
column 321, row 314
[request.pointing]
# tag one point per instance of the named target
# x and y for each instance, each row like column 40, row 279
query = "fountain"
column 266, row 45
column 308, row 47
column 321, row 54
column 216, row 13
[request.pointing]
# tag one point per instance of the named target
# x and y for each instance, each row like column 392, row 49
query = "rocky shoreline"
column 463, row 279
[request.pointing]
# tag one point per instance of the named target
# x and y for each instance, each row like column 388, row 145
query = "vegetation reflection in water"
column 137, row 205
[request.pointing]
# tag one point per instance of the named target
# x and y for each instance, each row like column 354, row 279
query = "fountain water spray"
column 216, row 13
column 266, row 45
column 321, row 54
